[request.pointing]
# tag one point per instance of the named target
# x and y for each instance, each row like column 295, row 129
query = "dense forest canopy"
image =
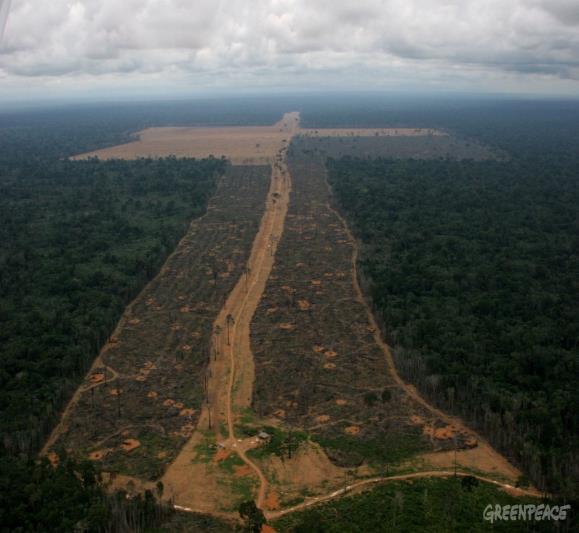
column 79, row 240
column 472, row 268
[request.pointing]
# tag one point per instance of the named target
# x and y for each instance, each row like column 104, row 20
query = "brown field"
column 252, row 145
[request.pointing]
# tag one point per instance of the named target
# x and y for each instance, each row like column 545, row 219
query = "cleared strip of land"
column 142, row 398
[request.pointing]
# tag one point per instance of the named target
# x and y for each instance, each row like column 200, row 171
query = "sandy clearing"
column 243, row 145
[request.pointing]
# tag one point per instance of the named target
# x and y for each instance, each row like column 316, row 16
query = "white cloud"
column 276, row 42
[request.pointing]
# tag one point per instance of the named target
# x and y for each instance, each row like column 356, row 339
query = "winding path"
column 517, row 491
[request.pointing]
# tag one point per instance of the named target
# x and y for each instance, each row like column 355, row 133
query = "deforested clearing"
column 251, row 145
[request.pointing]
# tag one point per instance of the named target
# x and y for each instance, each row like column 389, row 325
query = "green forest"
column 472, row 270
column 78, row 241
column 427, row 505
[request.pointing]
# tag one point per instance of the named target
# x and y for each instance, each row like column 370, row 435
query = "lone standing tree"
column 229, row 321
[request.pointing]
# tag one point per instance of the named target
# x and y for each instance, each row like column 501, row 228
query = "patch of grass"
column 247, row 416
column 204, row 451
column 279, row 443
column 383, row 450
column 230, row 463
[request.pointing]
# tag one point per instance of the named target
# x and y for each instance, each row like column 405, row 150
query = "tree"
column 252, row 516
column 229, row 322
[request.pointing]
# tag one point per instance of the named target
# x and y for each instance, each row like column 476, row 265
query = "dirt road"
column 231, row 373
column 366, row 483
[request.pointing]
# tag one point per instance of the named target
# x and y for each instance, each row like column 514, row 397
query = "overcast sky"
column 139, row 46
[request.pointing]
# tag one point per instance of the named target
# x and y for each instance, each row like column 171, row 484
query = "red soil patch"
column 115, row 392
column 352, row 430
column 329, row 366
column 341, row 402
column 304, row 305
column 221, row 455
column 128, row 445
column 97, row 378
column 169, row 402
column 330, row 354
column 53, row 458
column 187, row 412
column 97, row 455
column 243, row 470
column 152, row 394
column 322, row 418
column 318, row 348
column 272, row 501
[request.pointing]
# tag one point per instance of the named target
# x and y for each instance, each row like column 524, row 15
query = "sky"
column 113, row 48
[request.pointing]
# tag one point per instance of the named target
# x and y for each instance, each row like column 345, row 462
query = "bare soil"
column 242, row 145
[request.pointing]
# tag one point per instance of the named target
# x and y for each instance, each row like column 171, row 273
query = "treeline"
column 78, row 240
column 70, row 496
column 472, row 269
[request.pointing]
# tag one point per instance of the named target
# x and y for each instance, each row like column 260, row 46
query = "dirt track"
column 366, row 483
column 488, row 459
column 231, row 373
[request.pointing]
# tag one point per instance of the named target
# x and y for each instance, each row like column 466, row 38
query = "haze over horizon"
column 171, row 47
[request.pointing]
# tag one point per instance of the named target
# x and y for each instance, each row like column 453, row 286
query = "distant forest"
column 473, row 269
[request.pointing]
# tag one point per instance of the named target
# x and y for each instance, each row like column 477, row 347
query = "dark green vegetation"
column 472, row 269
column 422, row 505
column 70, row 497
column 78, row 242
column 419, row 147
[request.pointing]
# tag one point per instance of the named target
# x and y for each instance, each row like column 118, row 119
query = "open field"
column 141, row 400
column 251, row 145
